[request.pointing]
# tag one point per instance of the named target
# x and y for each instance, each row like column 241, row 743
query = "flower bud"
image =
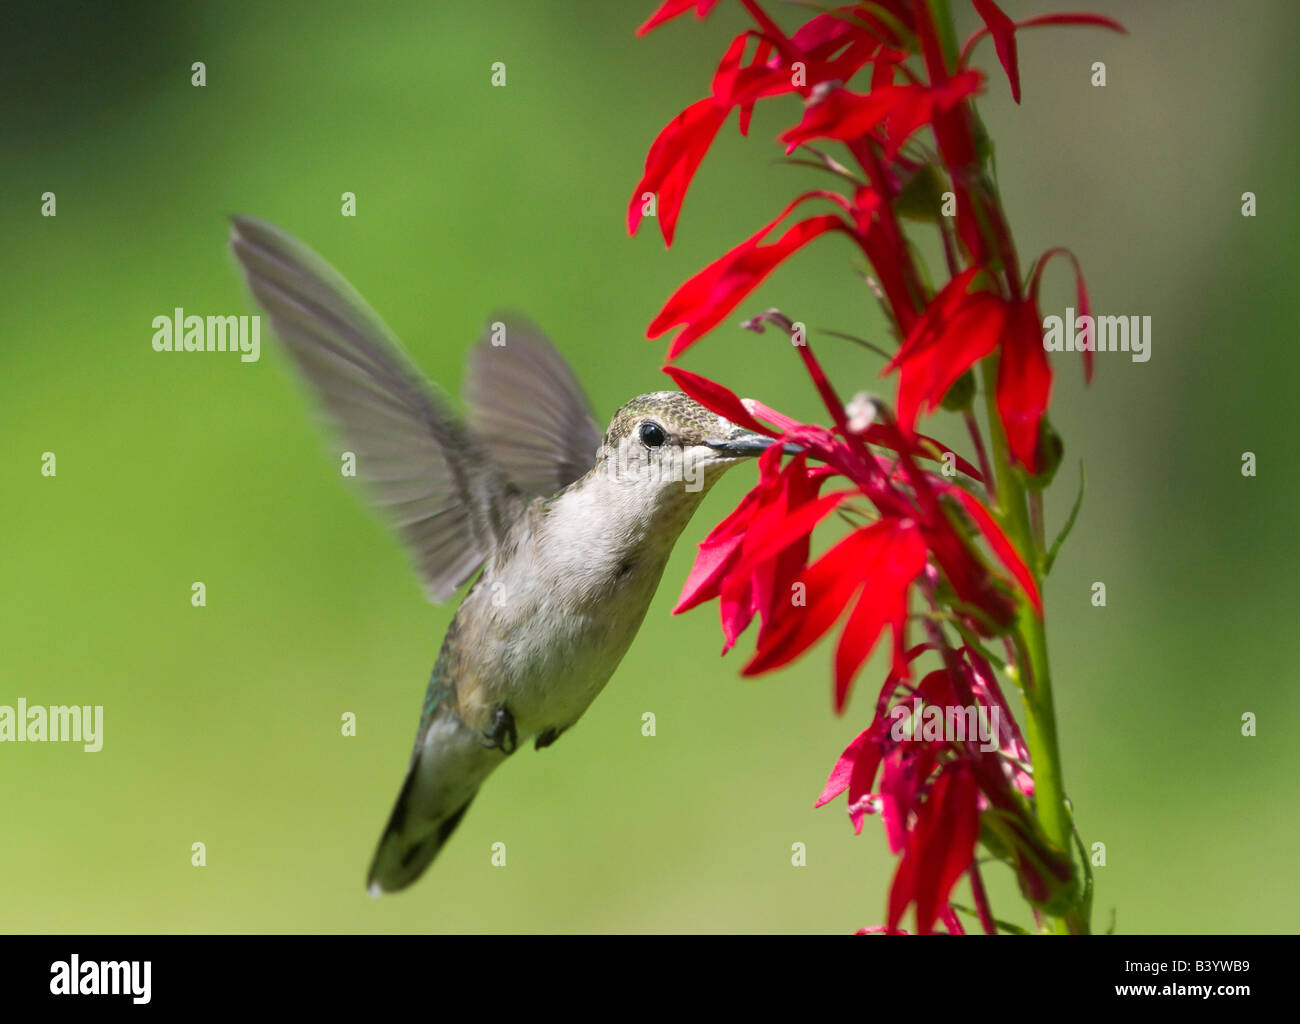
column 962, row 392
column 1051, row 449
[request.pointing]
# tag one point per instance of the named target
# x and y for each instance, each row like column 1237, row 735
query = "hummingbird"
column 568, row 528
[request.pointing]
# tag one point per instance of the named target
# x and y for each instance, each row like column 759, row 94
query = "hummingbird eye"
column 652, row 435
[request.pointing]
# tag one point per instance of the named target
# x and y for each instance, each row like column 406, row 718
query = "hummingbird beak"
column 745, row 445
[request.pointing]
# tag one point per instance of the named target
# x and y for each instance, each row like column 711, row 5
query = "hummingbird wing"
column 428, row 478
column 526, row 407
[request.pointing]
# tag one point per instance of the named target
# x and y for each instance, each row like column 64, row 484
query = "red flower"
column 672, row 162
column 829, row 54
column 1004, row 41
column 958, row 329
column 1001, row 545
column 889, row 556
column 1081, row 294
column 672, row 8
column 936, row 793
column 939, row 849
column 730, row 72
column 702, row 302
column 1003, row 30
column 932, row 791
column 1024, row 381
column 855, row 771
column 717, row 398
column 752, row 558
column 845, row 115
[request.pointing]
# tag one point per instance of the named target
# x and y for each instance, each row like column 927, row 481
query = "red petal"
column 1094, row 20
column 701, row 302
column 838, row 781
column 672, row 162
column 897, row 560
column 845, row 115
column 972, row 333
column 737, row 607
column 864, row 774
column 747, row 110
column 1081, row 295
column 1024, row 382
column 1004, row 41
column 776, row 545
column 829, row 584
column 715, row 397
column 855, row 771
column 957, row 329
column 780, row 420
column 1002, row 546
column 718, row 553
column 764, row 544
column 950, row 848
column 940, row 849
column 672, row 8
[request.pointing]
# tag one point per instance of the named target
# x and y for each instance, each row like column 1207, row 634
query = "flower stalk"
column 943, row 761
column 1035, row 683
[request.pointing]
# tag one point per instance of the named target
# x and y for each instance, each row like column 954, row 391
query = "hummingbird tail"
column 444, row 777
column 403, row 855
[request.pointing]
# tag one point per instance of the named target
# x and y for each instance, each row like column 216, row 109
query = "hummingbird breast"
column 557, row 608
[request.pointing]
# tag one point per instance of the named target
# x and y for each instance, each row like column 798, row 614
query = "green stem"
column 1012, row 509
column 947, row 34
column 1035, row 678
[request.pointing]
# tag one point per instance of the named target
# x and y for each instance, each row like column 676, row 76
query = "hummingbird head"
column 670, row 445
column 661, row 454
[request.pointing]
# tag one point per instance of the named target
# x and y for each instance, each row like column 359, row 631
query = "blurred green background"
column 222, row 724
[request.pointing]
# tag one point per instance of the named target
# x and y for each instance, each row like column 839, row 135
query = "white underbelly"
column 560, row 658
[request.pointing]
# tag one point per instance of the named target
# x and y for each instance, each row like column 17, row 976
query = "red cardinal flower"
column 960, row 543
column 671, row 164
column 959, row 328
column 752, row 558
column 672, row 8
column 902, row 109
column 940, row 848
column 889, row 555
column 855, row 771
column 1004, row 41
column 933, row 789
column 702, row 302
column 1024, row 381
column 1003, row 30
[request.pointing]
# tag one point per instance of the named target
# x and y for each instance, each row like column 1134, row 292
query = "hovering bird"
column 571, row 528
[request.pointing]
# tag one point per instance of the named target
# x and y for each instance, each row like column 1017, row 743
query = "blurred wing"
column 526, row 407
column 427, row 479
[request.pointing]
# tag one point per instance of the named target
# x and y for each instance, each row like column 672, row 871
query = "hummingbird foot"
column 502, row 735
column 546, row 738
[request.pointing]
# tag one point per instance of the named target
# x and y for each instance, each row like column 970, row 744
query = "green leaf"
column 1085, row 901
column 1003, row 926
column 922, row 196
column 1069, row 523
column 858, row 341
